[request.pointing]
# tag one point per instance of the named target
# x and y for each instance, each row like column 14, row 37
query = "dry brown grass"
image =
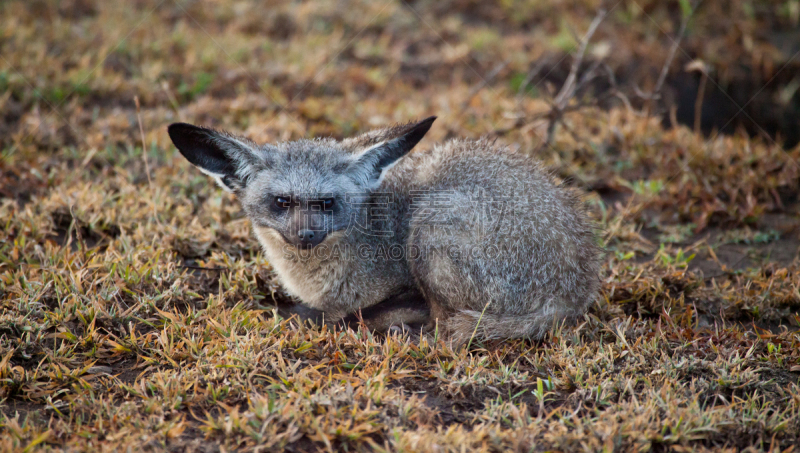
column 134, row 311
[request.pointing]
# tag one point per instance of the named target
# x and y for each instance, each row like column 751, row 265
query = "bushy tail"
column 462, row 326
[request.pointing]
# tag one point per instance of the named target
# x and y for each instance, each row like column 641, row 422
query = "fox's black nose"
column 307, row 239
column 305, row 235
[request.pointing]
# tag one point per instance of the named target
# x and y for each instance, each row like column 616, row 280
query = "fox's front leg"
column 302, row 311
column 406, row 310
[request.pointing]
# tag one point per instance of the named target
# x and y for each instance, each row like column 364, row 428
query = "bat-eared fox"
column 468, row 237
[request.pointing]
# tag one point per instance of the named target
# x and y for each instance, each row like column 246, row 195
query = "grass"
column 136, row 314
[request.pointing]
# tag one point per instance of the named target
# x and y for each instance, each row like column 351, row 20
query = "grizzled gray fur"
column 467, row 237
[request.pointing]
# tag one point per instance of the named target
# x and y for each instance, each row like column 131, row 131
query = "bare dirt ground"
column 135, row 307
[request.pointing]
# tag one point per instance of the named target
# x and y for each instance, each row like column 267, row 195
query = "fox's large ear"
column 373, row 162
column 229, row 159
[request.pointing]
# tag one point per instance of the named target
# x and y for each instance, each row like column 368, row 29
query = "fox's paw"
column 406, row 330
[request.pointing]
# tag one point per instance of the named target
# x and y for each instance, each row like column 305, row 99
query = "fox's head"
column 301, row 191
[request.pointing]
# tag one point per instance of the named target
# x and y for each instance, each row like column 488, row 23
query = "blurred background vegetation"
column 71, row 68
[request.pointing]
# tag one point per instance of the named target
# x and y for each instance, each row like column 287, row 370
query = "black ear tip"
column 176, row 128
column 425, row 125
column 428, row 121
column 415, row 133
column 184, row 133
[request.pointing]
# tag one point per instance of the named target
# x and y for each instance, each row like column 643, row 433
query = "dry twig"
column 569, row 88
column 655, row 94
column 572, row 84
column 144, row 147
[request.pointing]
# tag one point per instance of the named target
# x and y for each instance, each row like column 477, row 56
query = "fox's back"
column 482, row 213
column 481, row 184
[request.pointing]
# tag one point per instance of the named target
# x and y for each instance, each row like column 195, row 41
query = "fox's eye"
column 282, row 202
column 327, row 203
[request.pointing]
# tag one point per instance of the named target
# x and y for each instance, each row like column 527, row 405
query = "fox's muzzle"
column 307, row 239
column 307, row 229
